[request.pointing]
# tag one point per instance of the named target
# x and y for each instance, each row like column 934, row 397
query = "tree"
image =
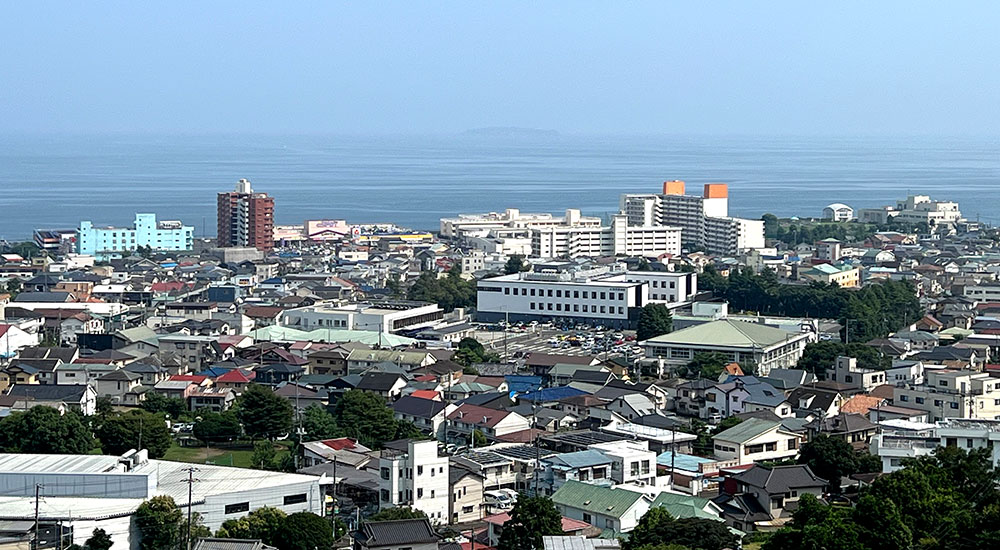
column 135, row 429
column 104, row 406
column 654, row 320
column 829, row 458
column 478, row 439
column 448, row 292
column 214, row 427
column 471, row 351
column 365, row 417
column 14, row 287
column 304, row 531
column 158, row 403
column 264, row 414
column 658, row 527
column 530, row 520
column 707, row 365
column 399, row 512
column 99, row 540
column 159, row 521
column 264, row 456
column 642, row 265
column 43, row 430
column 515, row 264
column 262, row 523
column 318, row 423
column 198, row 530
column 820, row 356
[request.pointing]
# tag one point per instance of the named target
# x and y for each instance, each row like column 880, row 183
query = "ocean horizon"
column 55, row 181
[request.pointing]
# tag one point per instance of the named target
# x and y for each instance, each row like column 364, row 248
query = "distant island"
column 511, row 132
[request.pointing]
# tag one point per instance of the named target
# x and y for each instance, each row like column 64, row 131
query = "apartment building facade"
column 106, row 243
column 412, row 474
column 245, row 218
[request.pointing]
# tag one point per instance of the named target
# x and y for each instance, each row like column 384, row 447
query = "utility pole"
column 190, row 471
column 38, row 491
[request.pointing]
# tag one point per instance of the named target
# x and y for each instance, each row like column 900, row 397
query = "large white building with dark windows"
column 599, row 297
column 703, row 219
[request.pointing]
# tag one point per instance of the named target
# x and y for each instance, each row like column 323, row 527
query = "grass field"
column 238, row 454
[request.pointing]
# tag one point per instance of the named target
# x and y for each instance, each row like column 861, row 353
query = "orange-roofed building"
column 427, row 394
column 861, row 404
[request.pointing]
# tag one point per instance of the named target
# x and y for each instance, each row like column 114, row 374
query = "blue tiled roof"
column 551, row 394
column 521, row 383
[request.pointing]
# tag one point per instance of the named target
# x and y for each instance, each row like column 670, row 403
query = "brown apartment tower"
column 246, row 218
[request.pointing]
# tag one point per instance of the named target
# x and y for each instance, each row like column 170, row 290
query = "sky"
column 791, row 68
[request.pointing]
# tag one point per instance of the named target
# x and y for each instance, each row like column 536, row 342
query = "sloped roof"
column 726, row 333
column 606, row 501
column 685, row 506
column 747, row 430
column 396, row 532
column 416, row 406
column 780, row 479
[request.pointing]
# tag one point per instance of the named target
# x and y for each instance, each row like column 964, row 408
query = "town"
column 669, row 376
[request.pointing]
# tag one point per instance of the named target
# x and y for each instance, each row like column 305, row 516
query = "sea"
column 55, row 181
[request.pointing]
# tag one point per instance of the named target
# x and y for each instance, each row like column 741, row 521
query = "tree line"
column 870, row 312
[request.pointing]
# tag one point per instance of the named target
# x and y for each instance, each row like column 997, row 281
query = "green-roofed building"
column 604, row 507
column 688, row 506
column 740, row 341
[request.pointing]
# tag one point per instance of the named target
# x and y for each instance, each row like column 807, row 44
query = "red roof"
column 480, row 416
column 340, row 444
column 426, row 378
column 569, row 525
column 427, row 394
column 521, row 436
column 167, row 286
column 4, row 329
column 236, row 376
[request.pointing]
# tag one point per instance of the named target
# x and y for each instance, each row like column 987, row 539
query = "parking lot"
column 582, row 342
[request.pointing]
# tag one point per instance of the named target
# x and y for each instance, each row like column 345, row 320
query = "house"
column 150, row 374
column 386, row 384
column 745, row 394
column 361, row 360
column 412, row 473
column 579, row 543
column 273, row 374
column 329, row 361
column 230, row 544
column 81, row 398
column 117, row 384
column 466, row 502
column 236, row 380
column 212, row 399
column 175, row 389
column 631, row 406
column 415, row 534
column 13, row 339
column 18, row 373
column 761, row 498
column 617, row 510
column 427, row 415
column 855, row 429
column 490, row 422
column 757, row 439
column 690, row 399
column 344, row 451
column 814, row 400
column 587, row 466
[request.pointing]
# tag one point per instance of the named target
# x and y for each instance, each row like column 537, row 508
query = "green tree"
column 318, row 423
column 727, row 422
column 448, row 292
column 654, row 320
column 215, row 427
column 707, row 365
column 530, row 520
column 478, row 439
column 263, row 414
column 515, row 264
column 104, row 406
column 262, row 523
column 400, row 512
column 135, row 429
column 365, row 417
column 43, row 430
column 264, row 456
column 304, row 531
column 829, row 458
column 198, row 530
column 820, row 356
column 159, row 522
column 158, row 403
column 99, row 540
column 408, row 430
column 470, row 351
column 642, row 265
column 658, row 527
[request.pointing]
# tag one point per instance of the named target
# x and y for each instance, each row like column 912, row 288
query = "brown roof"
column 884, row 391
column 262, row 312
column 860, row 404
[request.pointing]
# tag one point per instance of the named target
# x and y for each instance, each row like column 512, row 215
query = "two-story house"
column 761, row 497
column 757, row 439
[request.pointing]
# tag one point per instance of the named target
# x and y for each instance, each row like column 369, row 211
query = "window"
column 609, row 523
column 506, row 291
column 532, row 292
column 904, row 397
column 954, row 404
column 420, row 492
column 753, row 449
column 558, row 294
column 604, row 295
column 420, row 470
column 793, row 444
column 531, row 305
column 385, row 495
column 919, row 400
column 586, row 517
column 576, row 293
column 237, row 508
column 295, row 499
column 773, row 446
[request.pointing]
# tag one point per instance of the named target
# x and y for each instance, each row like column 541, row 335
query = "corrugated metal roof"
column 592, row 498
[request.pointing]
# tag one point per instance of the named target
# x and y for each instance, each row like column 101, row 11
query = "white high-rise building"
column 704, row 220
column 415, row 476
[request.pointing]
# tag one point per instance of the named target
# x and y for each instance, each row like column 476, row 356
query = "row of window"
column 243, row 507
column 577, row 308
column 937, row 402
column 579, row 294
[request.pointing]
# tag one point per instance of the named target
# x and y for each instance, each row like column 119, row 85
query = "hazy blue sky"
column 579, row 67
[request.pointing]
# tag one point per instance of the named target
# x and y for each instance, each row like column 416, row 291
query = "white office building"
column 704, row 220
column 411, row 473
column 478, row 225
column 596, row 297
column 376, row 316
column 915, row 209
column 85, row 492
